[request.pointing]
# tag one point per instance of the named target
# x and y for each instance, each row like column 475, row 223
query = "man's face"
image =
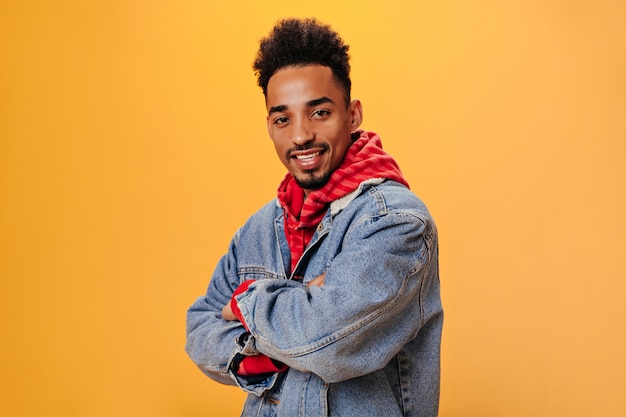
column 309, row 122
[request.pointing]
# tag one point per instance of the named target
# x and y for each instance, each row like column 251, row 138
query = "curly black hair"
column 300, row 42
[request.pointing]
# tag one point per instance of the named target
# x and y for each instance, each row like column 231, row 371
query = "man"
column 327, row 302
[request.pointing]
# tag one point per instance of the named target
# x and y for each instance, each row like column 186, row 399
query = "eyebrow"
column 318, row 101
column 310, row 103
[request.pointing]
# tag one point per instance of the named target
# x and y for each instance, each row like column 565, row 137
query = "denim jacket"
column 366, row 343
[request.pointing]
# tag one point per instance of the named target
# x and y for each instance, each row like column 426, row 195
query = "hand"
column 317, row 281
column 227, row 313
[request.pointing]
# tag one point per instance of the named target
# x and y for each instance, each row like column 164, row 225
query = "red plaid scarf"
column 364, row 159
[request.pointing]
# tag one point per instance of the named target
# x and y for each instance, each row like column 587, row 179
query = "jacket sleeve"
column 379, row 290
column 215, row 344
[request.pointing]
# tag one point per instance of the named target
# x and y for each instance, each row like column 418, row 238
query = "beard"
column 310, row 181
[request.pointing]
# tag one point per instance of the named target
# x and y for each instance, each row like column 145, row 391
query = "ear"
column 356, row 114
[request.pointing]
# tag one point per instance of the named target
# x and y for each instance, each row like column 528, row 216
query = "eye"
column 320, row 114
column 281, row 120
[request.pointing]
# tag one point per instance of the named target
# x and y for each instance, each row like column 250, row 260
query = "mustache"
column 306, row 147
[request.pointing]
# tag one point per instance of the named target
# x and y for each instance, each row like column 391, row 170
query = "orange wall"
column 133, row 143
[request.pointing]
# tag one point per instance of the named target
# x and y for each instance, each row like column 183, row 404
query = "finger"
column 317, row 281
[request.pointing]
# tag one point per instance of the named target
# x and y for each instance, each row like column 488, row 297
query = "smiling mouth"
column 308, row 157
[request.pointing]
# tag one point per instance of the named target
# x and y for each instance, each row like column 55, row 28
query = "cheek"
column 275, row 138
column 280, row 150
column 340, row 151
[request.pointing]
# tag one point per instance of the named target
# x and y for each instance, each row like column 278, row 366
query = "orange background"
column 133, row 144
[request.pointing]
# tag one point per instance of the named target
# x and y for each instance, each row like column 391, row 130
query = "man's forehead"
column 301, row 84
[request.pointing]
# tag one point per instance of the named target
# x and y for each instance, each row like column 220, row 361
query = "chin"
column 312, row 182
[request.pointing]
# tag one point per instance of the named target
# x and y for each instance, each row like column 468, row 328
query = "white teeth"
column 307, row 157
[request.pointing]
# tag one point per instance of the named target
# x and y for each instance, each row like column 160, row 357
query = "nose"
column 302, row 132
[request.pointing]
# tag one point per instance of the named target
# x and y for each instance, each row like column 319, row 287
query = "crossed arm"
column 376, row 289
column 227, row 311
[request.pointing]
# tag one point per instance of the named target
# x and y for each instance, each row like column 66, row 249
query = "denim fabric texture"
column 366, row 343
